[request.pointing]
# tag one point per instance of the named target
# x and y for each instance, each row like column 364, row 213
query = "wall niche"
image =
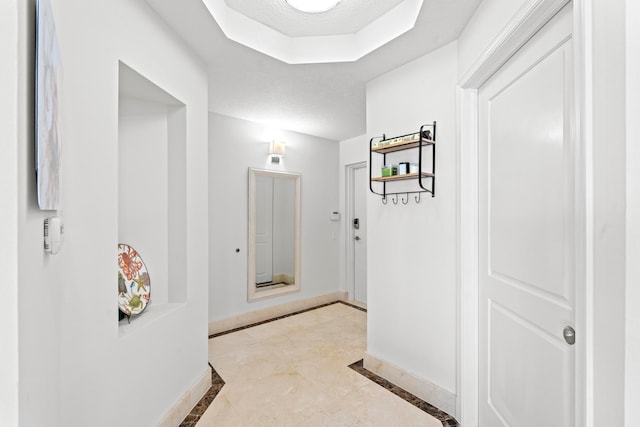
column 152, row 188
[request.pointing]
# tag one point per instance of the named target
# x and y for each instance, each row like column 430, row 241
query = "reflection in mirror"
column 274, row 233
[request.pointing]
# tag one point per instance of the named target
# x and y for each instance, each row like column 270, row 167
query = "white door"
column 527, row 239
column 264, row 229
column 359, row 232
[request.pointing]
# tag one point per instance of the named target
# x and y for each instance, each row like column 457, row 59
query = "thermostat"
column 53, row 234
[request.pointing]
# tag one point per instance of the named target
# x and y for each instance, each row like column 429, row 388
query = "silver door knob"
column 357, row 238
column 569, row 335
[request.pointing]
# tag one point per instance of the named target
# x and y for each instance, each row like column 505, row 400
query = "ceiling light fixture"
column 313, row 6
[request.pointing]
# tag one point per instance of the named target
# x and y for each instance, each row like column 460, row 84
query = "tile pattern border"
column 216, row 385
column 217, row 382
column 240, row 328
column 446, row 419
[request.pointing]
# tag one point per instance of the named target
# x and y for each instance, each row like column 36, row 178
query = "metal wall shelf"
column 424, row 139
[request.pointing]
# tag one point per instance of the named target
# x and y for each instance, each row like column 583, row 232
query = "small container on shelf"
column 389, row 170
column 413, row 167
column 403, row 168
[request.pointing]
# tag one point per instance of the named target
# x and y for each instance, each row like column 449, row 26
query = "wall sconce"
column 276, row 151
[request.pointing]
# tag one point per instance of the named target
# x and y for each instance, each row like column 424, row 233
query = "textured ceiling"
column 326, row 100
column 349, row 16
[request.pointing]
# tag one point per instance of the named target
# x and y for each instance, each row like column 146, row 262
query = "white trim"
column 529, row 20
column 582, row 56
column 604, row 138
column 632, row 327
column 273, row 312
column 349, row 209
column 468, row 261
column 425, row 390
column 525, row 23
column 188, row 400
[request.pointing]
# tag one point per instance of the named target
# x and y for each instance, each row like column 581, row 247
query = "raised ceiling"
column 346, row 18
column 322, row 99
column 319, row 45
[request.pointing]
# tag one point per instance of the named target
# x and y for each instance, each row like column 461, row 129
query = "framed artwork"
column 48, row 85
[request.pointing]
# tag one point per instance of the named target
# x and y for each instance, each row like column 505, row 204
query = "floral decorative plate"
column 134, row 284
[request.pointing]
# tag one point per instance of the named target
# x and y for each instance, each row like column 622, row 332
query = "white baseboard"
column 431, row 393
column 188, row 400
column 273, row 312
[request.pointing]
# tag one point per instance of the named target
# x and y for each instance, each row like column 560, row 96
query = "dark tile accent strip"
column 446, row 419
column 216, row 385
column 240, row 328
column 217, row 382
column 352, row 305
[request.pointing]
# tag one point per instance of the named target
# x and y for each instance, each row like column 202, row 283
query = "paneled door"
column 527, row 241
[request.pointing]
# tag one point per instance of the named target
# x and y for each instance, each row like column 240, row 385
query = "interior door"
column 527, row 237
column 360, row 188
column 264, row 229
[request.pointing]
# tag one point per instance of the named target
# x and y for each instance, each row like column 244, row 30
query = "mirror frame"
column 253, row 293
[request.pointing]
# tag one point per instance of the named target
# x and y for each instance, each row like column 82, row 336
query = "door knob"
column 569, row 335
column 357, row 238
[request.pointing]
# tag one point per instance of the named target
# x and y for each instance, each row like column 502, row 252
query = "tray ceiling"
column 322, row 99
column 348, row 17
column 376, row 30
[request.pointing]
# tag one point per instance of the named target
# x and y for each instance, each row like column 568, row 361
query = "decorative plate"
column 134, row 284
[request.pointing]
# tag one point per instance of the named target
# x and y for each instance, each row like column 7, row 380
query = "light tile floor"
column 294, row 372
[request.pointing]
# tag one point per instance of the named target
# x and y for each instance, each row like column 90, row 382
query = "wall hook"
column 418, row 198
column 404, row 202
column 395, row 199
column 384, row 200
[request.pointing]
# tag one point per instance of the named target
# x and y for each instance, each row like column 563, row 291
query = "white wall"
column 9, row 161
column 353, row 150
column 39, row 279
column 607, row 128
column 142, row 134
column 632, row 374
column 83, row 366
column 487, row 22
column 412, row 249
column 234, row 146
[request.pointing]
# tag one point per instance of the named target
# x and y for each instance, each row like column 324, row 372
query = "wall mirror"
column 274, row 233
